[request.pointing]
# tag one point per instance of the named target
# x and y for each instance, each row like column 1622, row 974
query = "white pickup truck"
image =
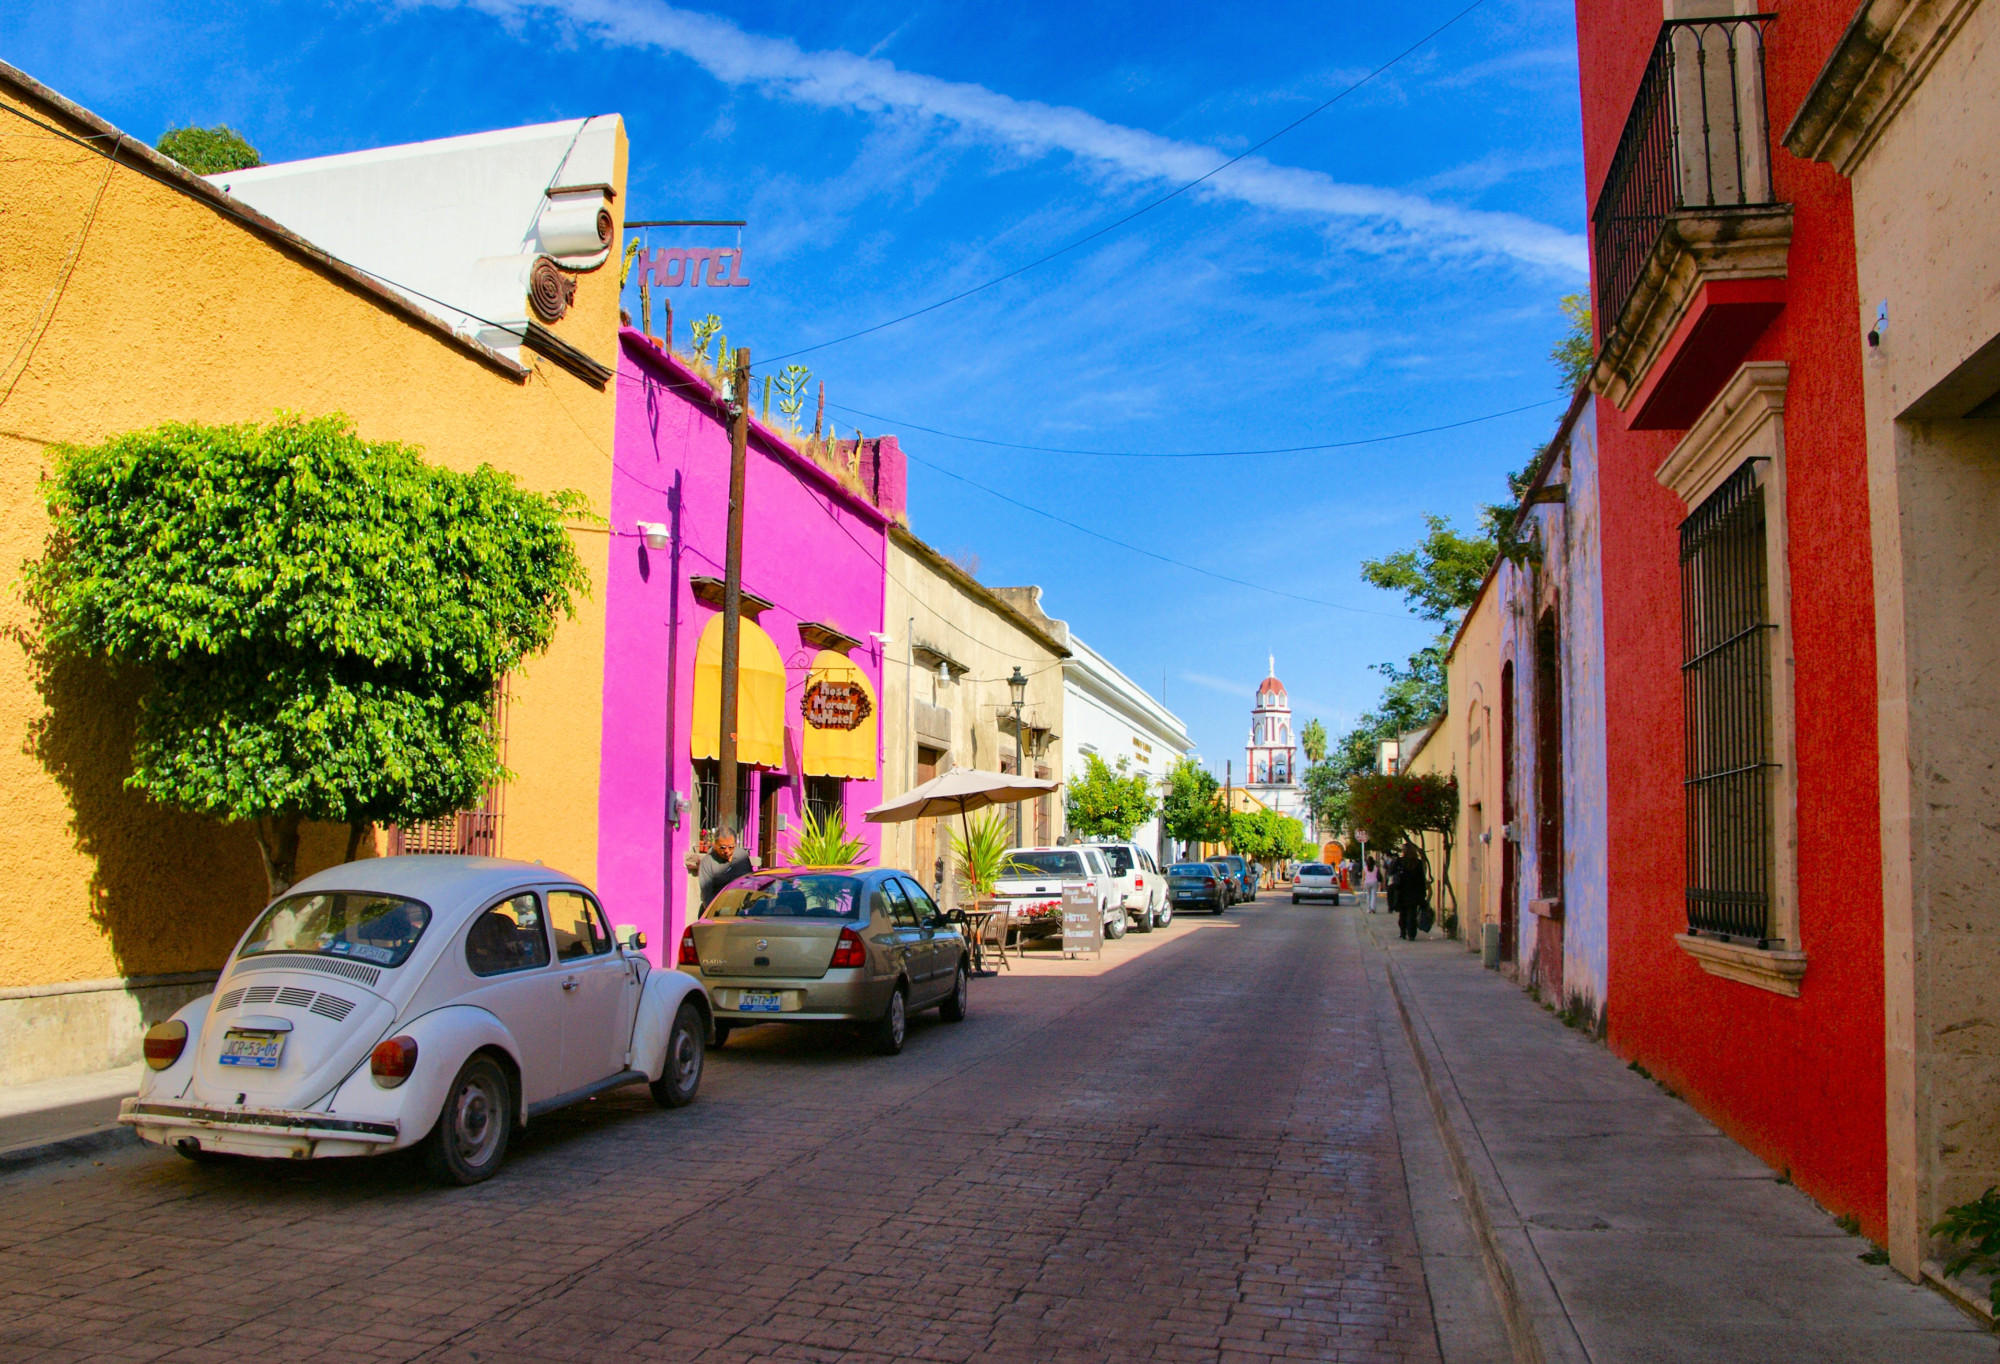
column 1137, row 884
column 1038, row 876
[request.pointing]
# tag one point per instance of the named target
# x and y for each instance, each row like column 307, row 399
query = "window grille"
column 1726, row 633
column 469, row 833
column 708, row 795
column 825, row 798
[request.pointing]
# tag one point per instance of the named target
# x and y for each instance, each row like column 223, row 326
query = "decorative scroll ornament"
column 550, row 290
column 835, row 705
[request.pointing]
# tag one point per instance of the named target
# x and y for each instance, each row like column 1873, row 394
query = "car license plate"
column 760, row 1002
column 258, row 1050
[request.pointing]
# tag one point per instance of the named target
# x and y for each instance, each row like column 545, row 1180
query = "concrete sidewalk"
column 50, row 1119
column 1616, row 1223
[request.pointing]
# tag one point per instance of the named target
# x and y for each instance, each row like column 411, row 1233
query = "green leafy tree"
column 1575, row 354
column 1396, row 806
column 1193, row 810
column 321, row 621
column 1104, row 802
column 1313, row 740
column 209, row 151
column 1441, row 576
column 1266, row 836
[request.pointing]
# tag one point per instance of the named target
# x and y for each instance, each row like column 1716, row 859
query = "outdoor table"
column 976, row 921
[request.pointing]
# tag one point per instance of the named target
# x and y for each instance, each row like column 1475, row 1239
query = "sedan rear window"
column 378, row 929
column 1315, row 869
column 1191, row 869
column 786, row 897
column 1044, row 864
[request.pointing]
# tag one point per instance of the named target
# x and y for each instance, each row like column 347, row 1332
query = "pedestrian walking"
column 1409, row 891
column 1371, row 879
column 717, row 867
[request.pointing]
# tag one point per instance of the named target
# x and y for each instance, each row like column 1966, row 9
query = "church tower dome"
column 1269, row 758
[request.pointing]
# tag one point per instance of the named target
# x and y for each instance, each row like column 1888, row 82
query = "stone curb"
column 1537, row 1325
column 82, row 1144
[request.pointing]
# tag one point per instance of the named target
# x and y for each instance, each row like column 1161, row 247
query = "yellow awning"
column 838, row 707
column 760, row 697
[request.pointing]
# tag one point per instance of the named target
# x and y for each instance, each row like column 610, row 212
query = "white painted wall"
column 452, row 224
column 1107, row 713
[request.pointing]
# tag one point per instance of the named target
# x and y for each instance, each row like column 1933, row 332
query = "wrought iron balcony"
column 1696, row 140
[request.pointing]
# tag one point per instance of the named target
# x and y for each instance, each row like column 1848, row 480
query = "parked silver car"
column 1316, row 881
column 814, row 945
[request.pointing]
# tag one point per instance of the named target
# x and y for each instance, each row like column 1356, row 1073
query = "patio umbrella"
column 959, row 792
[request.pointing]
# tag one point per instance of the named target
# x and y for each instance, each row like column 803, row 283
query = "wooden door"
column 924, row 846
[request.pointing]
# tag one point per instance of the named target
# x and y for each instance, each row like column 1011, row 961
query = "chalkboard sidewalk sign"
column 1083, row 925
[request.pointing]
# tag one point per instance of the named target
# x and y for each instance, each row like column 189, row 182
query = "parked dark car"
column 1231, row 891
column 1246, row 879
column 1197, row 885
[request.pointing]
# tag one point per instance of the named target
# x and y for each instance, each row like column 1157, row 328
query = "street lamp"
column 1017, row 685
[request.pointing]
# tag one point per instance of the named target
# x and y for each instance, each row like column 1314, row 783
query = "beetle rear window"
column 786, row 897
column 378, row 929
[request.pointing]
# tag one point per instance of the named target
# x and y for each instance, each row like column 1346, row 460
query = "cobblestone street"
column 1184, row 1153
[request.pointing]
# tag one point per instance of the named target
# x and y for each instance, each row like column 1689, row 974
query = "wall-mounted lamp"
column 944, row 671
column 879, row 637
column 656, row 534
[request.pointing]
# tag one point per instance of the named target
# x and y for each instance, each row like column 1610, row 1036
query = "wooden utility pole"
column 731, row 818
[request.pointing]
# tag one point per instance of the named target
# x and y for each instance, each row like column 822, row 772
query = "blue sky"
column 1394, row 263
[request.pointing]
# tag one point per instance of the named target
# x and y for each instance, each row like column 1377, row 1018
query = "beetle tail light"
column 689, row 956
column 849, row 951
column 165, row 1042
column 393, row 1061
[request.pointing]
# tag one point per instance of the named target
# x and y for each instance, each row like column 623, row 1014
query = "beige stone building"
column 946, row 703
column 1908, row 108
column 1470, row 730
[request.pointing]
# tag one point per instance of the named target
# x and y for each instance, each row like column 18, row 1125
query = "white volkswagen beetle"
column 404, row 1000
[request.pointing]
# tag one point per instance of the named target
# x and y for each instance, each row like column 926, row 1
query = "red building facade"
column 1743, row 850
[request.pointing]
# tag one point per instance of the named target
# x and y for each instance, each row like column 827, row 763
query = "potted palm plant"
column 824, row 843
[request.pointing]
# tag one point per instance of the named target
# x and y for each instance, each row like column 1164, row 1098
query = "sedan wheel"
column 470, row 1139
column 686, row 1049
column 894, row 1025
column 955, row 1003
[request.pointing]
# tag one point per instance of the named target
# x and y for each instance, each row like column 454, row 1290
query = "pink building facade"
column 814, row 551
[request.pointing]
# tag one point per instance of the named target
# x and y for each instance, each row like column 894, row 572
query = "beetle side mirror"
column 630, row 938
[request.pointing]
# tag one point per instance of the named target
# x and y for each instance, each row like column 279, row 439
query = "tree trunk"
column 356, row 829
column 278, row 840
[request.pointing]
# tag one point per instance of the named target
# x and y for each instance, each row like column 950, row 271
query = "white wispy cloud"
column 1221, row 684
column 1377, row 218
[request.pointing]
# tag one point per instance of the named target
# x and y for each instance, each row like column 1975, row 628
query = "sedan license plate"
column 761, row 1002
column 258, row 1050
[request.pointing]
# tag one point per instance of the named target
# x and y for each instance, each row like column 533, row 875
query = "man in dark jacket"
column 1409, row 891
column 717, row 867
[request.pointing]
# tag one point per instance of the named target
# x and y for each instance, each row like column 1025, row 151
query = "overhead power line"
column 1198, row 454
column 1144, row 209
column 1151, row 554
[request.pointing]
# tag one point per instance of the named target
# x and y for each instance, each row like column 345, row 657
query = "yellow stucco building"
column 134, row 294
column 946, row 703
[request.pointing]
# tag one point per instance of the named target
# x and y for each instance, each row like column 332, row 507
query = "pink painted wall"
column 809, row 546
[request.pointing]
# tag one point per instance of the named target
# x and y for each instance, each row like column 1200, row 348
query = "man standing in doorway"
column 717, row 867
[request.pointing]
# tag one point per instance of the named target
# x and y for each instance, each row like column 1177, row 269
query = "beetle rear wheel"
column 686, row 1048
column 470, row 1139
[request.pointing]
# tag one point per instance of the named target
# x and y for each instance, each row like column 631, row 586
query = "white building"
column 1106, row 713
column 486, row 232
column 1270, row 758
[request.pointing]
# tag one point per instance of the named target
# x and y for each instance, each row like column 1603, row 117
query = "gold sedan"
column 811, row 945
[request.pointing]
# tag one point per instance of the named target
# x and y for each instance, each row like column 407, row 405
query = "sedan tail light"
column 689, row 956
column 165, row 1042
column 849, row 951
column 393, row 1061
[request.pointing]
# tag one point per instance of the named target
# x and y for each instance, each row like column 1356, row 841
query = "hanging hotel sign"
column 672, row 266
column 835, row 705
